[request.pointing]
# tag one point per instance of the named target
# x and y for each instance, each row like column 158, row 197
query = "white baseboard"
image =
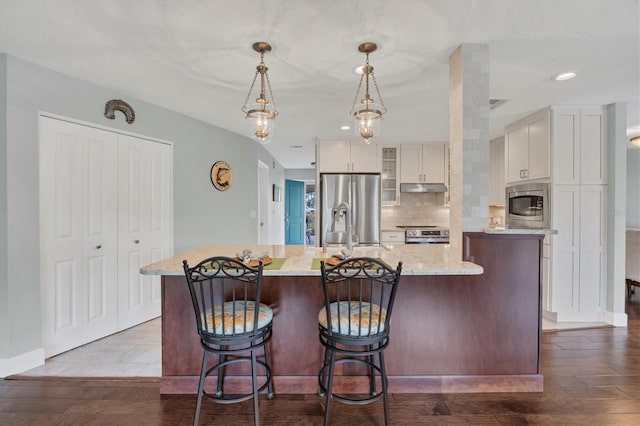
column 618, row 319
column 21, row 363
column 550, row 316
column 587, row 315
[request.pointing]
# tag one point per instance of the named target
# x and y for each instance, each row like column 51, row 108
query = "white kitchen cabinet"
column 527, row 148
column 423, row 163
column 392, row 237
column 496, row 172
column 579, row 146
column 98, row 195
column 546, row 280
column 578, row 265
column 345, row 156
column 390, row 179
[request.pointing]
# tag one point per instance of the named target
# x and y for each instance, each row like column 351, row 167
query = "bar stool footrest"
column 221, row 398
column 356, row 399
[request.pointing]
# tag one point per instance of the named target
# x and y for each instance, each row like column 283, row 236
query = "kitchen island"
column 458, row 326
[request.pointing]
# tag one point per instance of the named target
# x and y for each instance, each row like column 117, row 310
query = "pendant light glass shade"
column 261, row 114
column 367, row 120
column 367, row 113
column 635, row 141
column 261, row 119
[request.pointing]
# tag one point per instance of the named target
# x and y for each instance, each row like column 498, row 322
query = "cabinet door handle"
column 136, row 241
column 99, row 246
column 348, row 167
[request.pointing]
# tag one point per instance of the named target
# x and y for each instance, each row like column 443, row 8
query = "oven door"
column 425, row 240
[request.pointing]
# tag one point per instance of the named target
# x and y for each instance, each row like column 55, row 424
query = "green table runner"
column 315, row 264
column 276, row 264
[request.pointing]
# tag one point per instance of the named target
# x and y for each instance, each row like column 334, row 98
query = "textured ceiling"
column 195, row 57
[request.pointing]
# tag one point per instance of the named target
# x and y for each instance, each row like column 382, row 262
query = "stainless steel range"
column 425, row 234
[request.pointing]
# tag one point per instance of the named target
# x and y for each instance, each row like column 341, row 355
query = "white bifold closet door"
column 78, row 233
column 105, row 211
column 144, row 214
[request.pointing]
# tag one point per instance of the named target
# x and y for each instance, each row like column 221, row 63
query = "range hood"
column 423, row 187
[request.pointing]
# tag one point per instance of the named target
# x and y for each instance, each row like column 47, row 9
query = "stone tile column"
column 468, row 142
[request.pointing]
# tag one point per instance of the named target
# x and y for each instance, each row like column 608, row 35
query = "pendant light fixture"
column 635, row 140
column 367, row 113
column 261, row 114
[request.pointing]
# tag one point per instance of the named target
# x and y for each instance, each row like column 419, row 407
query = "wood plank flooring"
column 592, row 377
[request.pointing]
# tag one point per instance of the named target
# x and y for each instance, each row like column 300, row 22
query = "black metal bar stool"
column 231, row 323
column 355, row 324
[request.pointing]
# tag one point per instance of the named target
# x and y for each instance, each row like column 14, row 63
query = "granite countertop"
column 417, row 259
column 521, row 231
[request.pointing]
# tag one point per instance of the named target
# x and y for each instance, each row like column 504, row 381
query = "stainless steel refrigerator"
column 350, row 201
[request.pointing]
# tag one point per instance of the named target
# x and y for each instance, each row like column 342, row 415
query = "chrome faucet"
column 347, row 209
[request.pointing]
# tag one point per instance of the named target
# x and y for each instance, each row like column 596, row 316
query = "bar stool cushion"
column 355, row 319
column 236, row 324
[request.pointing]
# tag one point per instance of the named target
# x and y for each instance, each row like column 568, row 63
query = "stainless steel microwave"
column 528, row 206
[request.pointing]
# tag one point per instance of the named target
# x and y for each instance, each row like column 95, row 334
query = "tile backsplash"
column 416, row 209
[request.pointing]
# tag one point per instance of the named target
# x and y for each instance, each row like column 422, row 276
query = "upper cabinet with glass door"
column 390, row 180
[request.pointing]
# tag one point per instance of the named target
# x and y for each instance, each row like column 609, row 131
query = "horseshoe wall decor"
column 119, row 105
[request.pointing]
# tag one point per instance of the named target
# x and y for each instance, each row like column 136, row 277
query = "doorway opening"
column 263, row 203
column 310, row 213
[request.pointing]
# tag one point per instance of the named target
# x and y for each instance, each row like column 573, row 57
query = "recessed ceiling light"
column 564, row 76
column 345, row 127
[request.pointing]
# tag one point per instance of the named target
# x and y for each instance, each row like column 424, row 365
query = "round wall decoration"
column 221, row 175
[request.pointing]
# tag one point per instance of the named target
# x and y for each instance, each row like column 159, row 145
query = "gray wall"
column 202, row 215
column 633, row 188
column 300, row 174
column 4, row 288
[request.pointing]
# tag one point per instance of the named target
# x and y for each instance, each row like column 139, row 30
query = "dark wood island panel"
column 463, row 333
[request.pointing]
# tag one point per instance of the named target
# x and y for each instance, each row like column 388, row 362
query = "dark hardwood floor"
column 592, row 377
